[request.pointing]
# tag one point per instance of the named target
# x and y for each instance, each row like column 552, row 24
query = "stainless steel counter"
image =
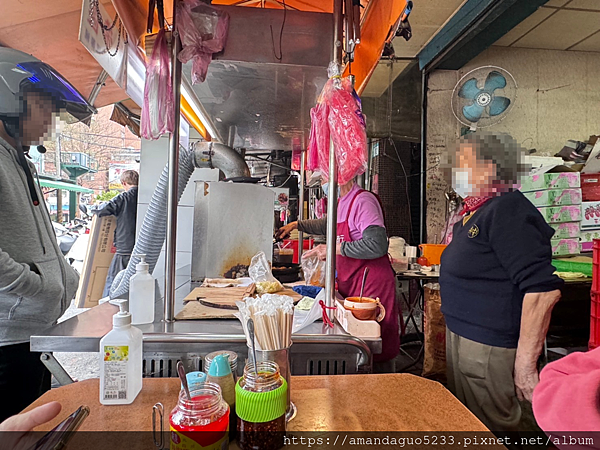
column 318, row 349
column 82, row 333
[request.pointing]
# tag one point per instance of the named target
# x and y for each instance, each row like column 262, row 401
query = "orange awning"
column 380, row 18
column 49, row 30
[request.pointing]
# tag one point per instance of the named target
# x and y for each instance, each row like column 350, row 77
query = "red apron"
column 381, row 283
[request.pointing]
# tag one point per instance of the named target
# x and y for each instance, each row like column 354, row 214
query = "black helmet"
column 20, row 72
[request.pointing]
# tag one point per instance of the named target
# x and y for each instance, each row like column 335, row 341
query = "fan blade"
column 473, row 112
column 469, row 89
column 495, row 80
column 498, row 106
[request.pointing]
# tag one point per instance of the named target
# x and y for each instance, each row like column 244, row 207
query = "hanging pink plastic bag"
column 338, row 116
column 157, row 113
column 203, row 31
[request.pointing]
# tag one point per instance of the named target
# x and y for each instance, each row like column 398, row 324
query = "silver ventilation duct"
column 154, row 228
column 213, row 155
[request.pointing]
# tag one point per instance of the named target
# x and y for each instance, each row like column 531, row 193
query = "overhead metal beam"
column 474, row 28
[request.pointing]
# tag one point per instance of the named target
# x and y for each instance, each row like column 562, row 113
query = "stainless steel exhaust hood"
column 257, row 101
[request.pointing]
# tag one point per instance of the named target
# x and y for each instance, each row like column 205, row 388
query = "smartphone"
column 58, row 438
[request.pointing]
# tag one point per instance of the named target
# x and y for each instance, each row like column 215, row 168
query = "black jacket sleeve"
column 112, row 208
column 520, row 238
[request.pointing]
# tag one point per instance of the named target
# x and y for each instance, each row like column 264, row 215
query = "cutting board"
column 194, row 310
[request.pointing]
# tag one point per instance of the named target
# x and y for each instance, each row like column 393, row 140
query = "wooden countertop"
column 394, row 402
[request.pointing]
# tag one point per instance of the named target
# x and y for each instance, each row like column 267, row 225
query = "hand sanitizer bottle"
column 121, row 361
column 141, row 294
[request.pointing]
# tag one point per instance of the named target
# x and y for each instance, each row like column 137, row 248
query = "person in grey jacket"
column 36, row 282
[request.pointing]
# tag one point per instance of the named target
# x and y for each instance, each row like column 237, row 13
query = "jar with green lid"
column 261, row 402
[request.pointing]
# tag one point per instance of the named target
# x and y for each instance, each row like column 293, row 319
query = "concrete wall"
column 558, row 98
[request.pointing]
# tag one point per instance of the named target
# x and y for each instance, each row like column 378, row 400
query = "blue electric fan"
column 483, row 96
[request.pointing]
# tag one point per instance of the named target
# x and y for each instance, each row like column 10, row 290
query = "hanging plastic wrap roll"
column 157, row 113
column 203, row 31
column 338, row 116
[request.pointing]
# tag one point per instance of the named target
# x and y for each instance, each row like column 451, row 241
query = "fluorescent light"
column 190, row 96
column 136, row 76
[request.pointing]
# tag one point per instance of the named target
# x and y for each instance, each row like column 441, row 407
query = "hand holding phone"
column 58, row 438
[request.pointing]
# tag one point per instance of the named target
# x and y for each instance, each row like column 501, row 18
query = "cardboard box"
column 590, row 216
column 95, row 267
column 590, row 187
column 559, row 214
column 554, row 197
column 561, row 180
column 563, row 247
column 566, row 230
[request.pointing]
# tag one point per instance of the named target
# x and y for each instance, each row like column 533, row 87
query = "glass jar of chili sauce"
column 201, row 423
column 261, row 402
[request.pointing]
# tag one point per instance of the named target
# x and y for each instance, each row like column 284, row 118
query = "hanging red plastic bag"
column 157, row 113
column 338, row 116
column 203, row 31
column 348, row 132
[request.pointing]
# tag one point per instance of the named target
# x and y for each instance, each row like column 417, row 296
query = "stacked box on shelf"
column 558, row 197
column 590, row 224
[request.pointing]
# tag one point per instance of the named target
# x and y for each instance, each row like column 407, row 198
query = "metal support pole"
column 97, row 87
column 59, row 372
column 57, row 161
column 422, row 215
column 171, row 245
column 331, row 232
column 332, row 194
column 301, row 204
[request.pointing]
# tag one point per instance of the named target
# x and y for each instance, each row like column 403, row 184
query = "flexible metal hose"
column 152, row 234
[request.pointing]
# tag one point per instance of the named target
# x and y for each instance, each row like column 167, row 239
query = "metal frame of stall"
column 171, row 241
column 320, row 350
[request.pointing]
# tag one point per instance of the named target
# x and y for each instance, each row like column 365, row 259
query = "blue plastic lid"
column 194, row 380
column 219, row 367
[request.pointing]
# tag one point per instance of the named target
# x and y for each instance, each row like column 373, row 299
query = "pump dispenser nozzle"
column 123, row 317
column 142, row 266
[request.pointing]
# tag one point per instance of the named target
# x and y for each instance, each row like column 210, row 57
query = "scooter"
column 65, row 238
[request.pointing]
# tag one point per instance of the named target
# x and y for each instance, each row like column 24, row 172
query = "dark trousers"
column 119, row 262
column 23, row 378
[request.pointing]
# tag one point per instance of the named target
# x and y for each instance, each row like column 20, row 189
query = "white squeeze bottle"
column 121, row 361
column 141, row 294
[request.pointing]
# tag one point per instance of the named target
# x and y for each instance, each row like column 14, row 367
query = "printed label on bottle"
column 115, row 372
column 199, row 440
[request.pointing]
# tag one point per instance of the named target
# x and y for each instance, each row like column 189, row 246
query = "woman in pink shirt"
column 361, row 242
column 567, row 399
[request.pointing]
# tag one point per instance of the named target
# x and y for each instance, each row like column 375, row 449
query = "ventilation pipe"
column 213, row 155
column 154, row 227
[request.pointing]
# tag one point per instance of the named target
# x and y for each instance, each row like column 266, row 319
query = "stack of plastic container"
column 557, row 196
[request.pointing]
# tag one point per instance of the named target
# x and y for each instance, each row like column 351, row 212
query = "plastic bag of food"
column 314, row 271
column 260, row 272
column 203, row 30
column 157, row 113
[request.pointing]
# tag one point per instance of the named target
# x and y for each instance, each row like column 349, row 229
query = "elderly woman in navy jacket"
column 497, row 282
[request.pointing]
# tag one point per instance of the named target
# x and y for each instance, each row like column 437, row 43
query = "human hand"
column 286, row 230
column 320, row 251
column 526, row 379
column 16, row 428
